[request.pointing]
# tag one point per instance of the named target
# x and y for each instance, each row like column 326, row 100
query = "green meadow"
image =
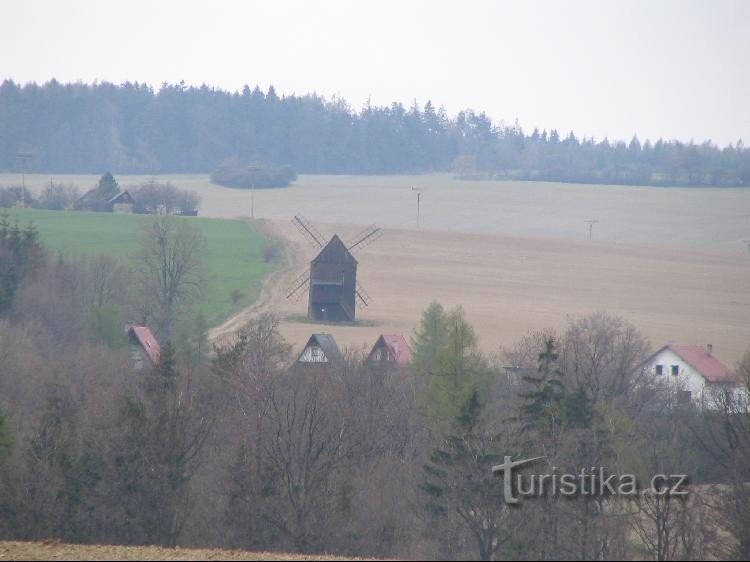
column 233, row 252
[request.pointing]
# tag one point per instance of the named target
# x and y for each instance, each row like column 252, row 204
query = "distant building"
column 320, row 350
column 123, row 202
column 694, row 372
column 390, row 350
column 333, row 283
column 146, row 348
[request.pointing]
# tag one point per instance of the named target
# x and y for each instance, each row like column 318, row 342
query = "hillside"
column 234, row 260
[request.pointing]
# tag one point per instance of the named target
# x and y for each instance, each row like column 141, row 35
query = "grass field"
column 59, row 551
column 234, row 259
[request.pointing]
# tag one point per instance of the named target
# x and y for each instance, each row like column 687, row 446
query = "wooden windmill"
column 332, row 279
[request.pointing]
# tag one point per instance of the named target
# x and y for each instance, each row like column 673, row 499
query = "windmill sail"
column 365, row 238
column 364, row 298
column 295, row 289
column 307, row 230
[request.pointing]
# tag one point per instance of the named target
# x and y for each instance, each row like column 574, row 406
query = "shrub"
column 271, row 252
column 234, row 173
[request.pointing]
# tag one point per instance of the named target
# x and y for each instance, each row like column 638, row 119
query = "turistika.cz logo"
column 592, row 481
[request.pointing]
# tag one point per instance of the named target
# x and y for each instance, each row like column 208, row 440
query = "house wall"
column 688, row 378
column 122, row 208
column 313, row 354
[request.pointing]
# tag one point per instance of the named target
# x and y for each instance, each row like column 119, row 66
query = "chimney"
column 709, row 348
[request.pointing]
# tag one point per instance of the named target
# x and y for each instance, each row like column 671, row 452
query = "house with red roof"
column 390, row 350
column 695, row 372
column 146, row 348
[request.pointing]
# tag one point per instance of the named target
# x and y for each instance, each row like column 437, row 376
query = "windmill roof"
column 335, row 252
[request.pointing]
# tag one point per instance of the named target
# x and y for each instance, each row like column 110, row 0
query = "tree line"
column 230, row 447
column 133, row 128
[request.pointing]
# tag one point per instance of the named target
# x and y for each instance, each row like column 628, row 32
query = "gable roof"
column 396, row 345
column 122, row 197
column 91, row 197
column 327, row 344
column 335, row 252
column 144, row 337
column 713, row 370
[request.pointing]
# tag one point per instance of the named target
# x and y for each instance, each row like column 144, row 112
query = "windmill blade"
column 295, row 292
column 308, row 231
column 364, row 298
column 365, row 238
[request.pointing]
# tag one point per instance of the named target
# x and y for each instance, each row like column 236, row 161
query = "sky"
column 677, row 69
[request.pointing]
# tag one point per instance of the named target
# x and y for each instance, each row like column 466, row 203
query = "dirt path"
column 272, row 293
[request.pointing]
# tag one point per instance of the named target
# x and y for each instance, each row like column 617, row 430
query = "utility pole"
column 419, row 199
column 24, row 156
column 591, row 223
column 253, row 170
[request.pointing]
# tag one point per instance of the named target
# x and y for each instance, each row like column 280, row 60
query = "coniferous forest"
column 133, row 128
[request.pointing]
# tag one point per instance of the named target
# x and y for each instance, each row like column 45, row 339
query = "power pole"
column 419, row 199
column 24, row 156
column 591, row 223
column 253, row 170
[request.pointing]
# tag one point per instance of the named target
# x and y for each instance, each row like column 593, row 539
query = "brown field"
column 509, row 286
column 60, row 551
column 515, row 255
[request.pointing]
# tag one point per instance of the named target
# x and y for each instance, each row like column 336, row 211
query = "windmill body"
column 332, row 279
column 333, row 284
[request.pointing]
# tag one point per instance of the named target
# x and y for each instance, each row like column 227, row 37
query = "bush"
column 271, row 252
column 16, row 196
column 58, row 196
column 164, row 198
column 234, row 173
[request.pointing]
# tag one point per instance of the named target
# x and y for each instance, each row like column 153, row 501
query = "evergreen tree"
column 107, row 187
column 163, row 432
column 21, row 255
column 459, row 486
column 6, row 439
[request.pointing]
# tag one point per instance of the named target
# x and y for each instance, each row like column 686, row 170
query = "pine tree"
column 6, row 439
column 459, row 486
column 107, row 187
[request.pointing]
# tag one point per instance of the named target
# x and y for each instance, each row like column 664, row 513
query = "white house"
column 693, row 371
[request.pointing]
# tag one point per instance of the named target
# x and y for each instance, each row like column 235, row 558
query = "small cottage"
column 145, row 347
column 320, row 350
column 390, row 350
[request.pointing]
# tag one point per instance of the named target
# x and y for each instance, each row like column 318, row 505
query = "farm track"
column 272, row 292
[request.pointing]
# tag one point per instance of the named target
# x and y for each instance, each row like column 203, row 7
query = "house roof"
column 713, row 370
column 144, row 337
column 122, row 197
column 327, row 344
column 396, row 345
column 335, row 252
column 91, row 197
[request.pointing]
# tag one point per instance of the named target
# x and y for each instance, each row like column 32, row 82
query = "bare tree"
column 169, row 268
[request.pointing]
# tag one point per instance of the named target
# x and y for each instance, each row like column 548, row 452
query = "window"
column 660, row 369
column 675, row 370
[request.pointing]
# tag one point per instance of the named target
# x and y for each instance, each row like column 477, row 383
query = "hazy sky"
column 677, row 69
